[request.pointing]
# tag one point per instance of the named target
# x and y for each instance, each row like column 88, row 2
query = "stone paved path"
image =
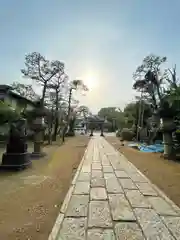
column 109, row 199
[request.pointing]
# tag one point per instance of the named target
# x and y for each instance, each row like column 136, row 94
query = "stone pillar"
column 38, row 126
column 38, row 141
column 91, row 134
column 167, row 126
column 102, row 130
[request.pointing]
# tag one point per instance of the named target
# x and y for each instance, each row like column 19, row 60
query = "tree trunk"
column 85, row 122
column 86, row 128
column 71, row 127
column 69, row 104
column 43, row 94
column 159, row 95
column 49, row 135
column 55, row 129
column 64, row 133
column 39, row 136
column 56, row 118
column 50, row 127
column 139, row 117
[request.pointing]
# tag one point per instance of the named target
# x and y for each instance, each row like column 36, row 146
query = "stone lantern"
column 167, row 126
column 38, row 126
column 154, row 126
column 101, row 123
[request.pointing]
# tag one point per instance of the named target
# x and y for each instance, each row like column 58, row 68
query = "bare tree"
column 84, row 110
column 38, row 68
column 74, row 85
column 149, row 78
column 151, row 69
column 59, row 81
column 172, row 79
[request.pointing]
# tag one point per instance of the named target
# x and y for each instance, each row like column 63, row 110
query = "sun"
column 91, row 81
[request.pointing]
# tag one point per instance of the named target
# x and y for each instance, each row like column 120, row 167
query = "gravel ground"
column 164, row 173
column 31, row 199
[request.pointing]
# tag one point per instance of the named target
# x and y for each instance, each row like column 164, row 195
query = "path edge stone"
column 57, row 225
column 157, row 189
column 55, row 230
column 67, row 199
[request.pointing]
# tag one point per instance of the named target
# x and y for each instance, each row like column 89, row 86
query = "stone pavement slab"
column 96, row 166
column 84, row 177
column 96, row 173
column 98, row 193
column 120, row 208
column 173, row 223
column 161, row 206
column 82, row 188
column 107, row 169
column 97, row 182
column 152, row 225
column 112, row 183
column 99, row 214
column 137, row 177
column 100, row 234
column 105, row 160
column 73, row 229
column 127, row 183
column 78, row 206
column 109, row 199
column 146, row 189
column 128, row 230
column 86, row 168
column 121, row 174
column 136, row 199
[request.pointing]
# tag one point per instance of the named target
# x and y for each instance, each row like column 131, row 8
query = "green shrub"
column 7, row 113
column 127, row 134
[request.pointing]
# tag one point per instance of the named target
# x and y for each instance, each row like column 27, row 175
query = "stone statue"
column 16, row 156
column 17, row 137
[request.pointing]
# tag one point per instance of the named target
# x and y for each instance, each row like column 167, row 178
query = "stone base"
column 169, row 157
column 37, row 155
column 15, row 161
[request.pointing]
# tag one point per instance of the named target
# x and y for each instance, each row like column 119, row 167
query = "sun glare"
column 91, row 81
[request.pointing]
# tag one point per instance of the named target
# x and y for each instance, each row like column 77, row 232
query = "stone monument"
column 38, row 126
column 16, row 156
column 167, row 126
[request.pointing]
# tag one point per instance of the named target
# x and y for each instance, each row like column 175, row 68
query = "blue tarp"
column 158, row 147
column 152, row 148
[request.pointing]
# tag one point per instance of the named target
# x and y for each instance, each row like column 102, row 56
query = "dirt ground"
column 30, row 200
column 164, row 173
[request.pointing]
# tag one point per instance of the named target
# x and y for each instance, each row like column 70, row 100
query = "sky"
column 100, row 41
